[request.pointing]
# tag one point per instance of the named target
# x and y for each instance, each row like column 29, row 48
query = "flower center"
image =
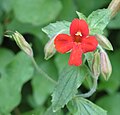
column 78, row 37
column 78, row 34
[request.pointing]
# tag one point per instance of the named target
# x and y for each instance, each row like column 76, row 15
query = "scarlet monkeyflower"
column 78, row 42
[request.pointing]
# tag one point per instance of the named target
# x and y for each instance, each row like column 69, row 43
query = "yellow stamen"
column 78, row 34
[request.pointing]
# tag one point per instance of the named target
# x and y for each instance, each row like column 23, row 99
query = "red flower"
column 78, row 42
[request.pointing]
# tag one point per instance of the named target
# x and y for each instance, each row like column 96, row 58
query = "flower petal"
column 89, row 44
column 76, row 55
column 63, row 43
column 78, row 25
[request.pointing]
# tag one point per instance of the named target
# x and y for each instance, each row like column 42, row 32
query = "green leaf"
column 65, row 57
column 36, row 12
column 16, row 73
column 110, row 103
column 70, row 79
column 63, row 63
column 49, row 111
column 81, row 106
column 81, row 16
column 39, row 82
column 56, row 28
column 98, row 20
column 6, row 57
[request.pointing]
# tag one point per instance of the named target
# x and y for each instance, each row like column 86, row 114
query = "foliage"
column 81, row 106
column 69, row 80
column 23, row 90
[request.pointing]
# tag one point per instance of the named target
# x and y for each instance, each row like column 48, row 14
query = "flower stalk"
column 92, row 90
column 42, row 72
column 95, row 75
column 25, row 46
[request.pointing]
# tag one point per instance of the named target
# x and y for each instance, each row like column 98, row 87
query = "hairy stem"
column 42, row 72
column 92, row 90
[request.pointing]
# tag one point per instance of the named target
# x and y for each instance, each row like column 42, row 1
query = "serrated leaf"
column 81, row 106
column 16, row 73
column 81, row 16
column 70, row 79
column 36, row 12
column 56, row 28
column 98, row 20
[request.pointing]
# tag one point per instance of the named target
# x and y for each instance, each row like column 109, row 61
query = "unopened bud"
column 106, row 68
column 49, row 49
column 22, row 43
column 104, row 42
column 114, row 7
column 96, row 64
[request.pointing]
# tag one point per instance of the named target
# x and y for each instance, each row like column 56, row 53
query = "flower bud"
column 106, row 68
column 96, row 64
column 114, row 6
column 104, row 42
column 22, row 43
column 49, row 49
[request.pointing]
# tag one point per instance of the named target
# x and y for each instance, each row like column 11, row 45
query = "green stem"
column 42, row 72
column 99, row 46
column 92, row 90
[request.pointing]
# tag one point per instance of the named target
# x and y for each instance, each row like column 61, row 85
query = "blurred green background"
column 23, row 91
